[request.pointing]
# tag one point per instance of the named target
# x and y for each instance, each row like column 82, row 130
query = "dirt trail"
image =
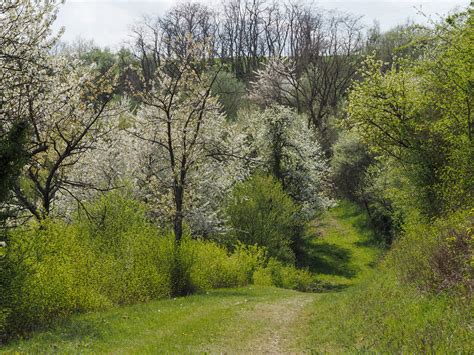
column 281, row 326
column 284, row 320
column 271, row 327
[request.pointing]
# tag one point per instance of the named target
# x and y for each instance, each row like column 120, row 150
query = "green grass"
column 340, row 247
column 215, row 321
column 382, row 316
column 377, row 313
column 370, row 311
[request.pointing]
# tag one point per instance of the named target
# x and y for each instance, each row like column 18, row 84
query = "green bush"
column 133, row 260
column 51, row 273
column 214, row 267
column 437, row 256
column 285, row 276
column 111, row 257
column 108, row 255
column 261, row 213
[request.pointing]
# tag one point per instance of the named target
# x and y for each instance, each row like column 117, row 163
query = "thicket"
column 260, row 212
column 410, row 152
column 111, row 255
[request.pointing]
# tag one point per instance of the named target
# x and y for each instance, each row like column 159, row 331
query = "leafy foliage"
column 231, row 93
column 12, row 159
column 213, row 267
column 349, row 164
column 278, row 274
column 418, row 114
column 260, row 212
column 109, row 255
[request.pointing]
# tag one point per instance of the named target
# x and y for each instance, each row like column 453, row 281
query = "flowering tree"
column 60, row 103
column 319, row 71
column 23, row 31
column 276, row 83
column 187, row 141
column 284, row 146
column 65, row 121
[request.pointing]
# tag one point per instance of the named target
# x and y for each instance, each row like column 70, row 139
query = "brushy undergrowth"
column 437, row 256
column 275, row 273
column 110, row 256
column 53, row 269
column 419, row 300
column 214, row 267
column 383, row 315
column 260, row 212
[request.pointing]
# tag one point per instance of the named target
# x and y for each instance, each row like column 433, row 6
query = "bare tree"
column 324, row 54
column 147, row 48
column 158, row 39
column 187, row 21
column 321, row 49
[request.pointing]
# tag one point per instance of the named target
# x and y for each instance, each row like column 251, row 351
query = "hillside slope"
column 260, row 319
column 360, row 308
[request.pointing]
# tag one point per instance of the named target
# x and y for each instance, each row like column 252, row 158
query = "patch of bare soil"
column 272, row 327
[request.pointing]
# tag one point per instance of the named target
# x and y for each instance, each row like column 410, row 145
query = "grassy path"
column 228, row 320
column 245, row 320
column 342, row 250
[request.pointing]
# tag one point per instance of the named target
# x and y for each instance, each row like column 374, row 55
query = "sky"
column 108, row 22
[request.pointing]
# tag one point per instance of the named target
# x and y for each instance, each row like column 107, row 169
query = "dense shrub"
column 112, row 257
column 437, row 256
column 53, row 269
column 133, row 259
column 108, row 255
column 213, row 267
column 261, row 213
column 51, row 273
column 285, row 276
column 384, row 196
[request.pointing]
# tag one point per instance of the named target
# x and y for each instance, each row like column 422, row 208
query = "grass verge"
column 218, row 321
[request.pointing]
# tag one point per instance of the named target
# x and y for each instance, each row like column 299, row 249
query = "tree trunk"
column 366, row 205
column 178, row 216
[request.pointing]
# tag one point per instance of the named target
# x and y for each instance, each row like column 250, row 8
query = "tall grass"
column 384, row 316
column 418, row 300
